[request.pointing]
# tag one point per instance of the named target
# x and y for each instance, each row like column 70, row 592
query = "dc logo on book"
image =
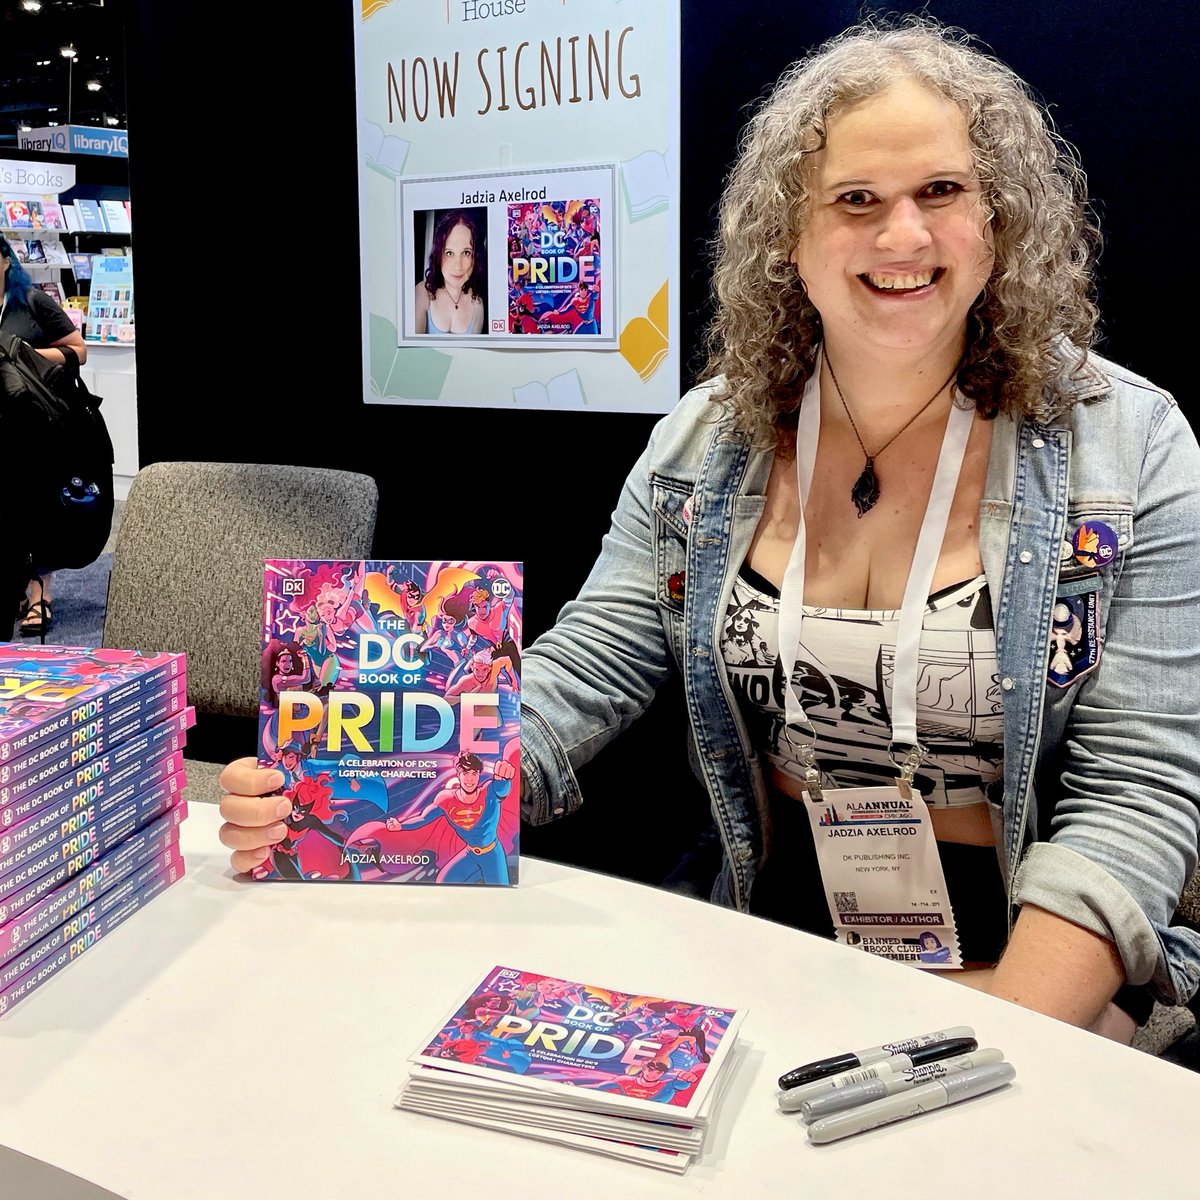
column 501, row 588
column 293, row 587
column 3, row 1005
column 5, row 845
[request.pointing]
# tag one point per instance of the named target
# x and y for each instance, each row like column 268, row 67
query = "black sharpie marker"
column 873, row 1054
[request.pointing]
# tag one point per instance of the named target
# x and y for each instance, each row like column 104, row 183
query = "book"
column 35, row 214
column 527, row 1052
column 81, row 265
column 35, row 250
column 67, row 953
column 106, row 877
column 25, row 796
column 52, row 215
column 116, row 216
column 71, row 216
column 16, row 214
column 20, row 248
column 56, row 252
column 554, row 271
column 55, row 698
column 54, row 291
column 149, row 840
column 91, row 217
column 390, row 701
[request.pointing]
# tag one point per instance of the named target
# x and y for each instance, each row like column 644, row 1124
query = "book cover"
column 638, row 1054
column 91, row 218
column 85, row 940
column 116, row 217
column 390, row 700
column 52, row 215
column 56, row 252
column 54, row 291
column 35, row 214
column 81, row 265
column 71, row 216
column 16, row 214
column 49, row 691
column 554, row 274
column 36, row 251
column 20, row 248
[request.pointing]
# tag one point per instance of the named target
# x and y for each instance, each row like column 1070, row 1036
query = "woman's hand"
column 253, row 810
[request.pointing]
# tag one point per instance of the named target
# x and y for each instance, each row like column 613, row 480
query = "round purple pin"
column 1094, row 544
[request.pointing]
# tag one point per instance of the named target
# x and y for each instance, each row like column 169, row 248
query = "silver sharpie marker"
column 855, row 1094
column 793, row 1100
column 927, row 1097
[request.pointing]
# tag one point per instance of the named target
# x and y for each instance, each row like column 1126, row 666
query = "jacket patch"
column 1074, row 637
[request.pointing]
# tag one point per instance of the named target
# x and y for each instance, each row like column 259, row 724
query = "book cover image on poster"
column 554, row 275
column 641, row 1052
column 390, row 701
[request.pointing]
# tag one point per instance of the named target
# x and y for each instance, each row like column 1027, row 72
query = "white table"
column 240, row 1039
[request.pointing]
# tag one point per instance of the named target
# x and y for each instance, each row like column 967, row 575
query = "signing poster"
column 518, row 191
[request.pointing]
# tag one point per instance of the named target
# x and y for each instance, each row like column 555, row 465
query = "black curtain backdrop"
column 243, row 179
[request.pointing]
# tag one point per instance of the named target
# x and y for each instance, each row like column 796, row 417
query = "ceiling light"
column 54, row 109
column 23, row 128
column 111, row 121
column 67, row 51
column 93, row 85
column 31, row 5
column 51, row 122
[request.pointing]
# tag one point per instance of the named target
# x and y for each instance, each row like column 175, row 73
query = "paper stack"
column 91, row 798
column 633, row 1076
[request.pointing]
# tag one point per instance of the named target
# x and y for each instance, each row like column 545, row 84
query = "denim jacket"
column 1101, row 798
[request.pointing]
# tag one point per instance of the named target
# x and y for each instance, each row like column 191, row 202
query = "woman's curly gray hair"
column 765, row 334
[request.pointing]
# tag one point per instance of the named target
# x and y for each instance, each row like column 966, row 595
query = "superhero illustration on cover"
column 389, row 700
column 642, row 1048
column 554, row 267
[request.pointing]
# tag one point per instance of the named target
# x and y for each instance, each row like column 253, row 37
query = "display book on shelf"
column 633, row 1076
column 91, row 797
column 390, row 701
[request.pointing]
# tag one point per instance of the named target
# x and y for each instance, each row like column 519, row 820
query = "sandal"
column 37, row 619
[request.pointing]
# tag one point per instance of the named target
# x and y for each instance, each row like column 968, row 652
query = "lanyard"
column 916, row 590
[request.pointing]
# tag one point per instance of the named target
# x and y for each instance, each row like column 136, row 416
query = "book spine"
column 97, row 883
column 88, row 841
column 121, row 859
column 86, row 725
column 19, row 800
column 75, row 811
column 87, row 917
column 68, row 952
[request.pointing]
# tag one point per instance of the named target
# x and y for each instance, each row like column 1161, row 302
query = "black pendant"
column 865, row 492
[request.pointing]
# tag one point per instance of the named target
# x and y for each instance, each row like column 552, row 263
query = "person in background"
column 28, row 313
column 449, row 300
column 902, row 383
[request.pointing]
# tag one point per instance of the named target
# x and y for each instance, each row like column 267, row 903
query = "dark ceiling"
column 38, row 86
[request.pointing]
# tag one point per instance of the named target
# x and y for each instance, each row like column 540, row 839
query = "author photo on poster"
column 451, row 291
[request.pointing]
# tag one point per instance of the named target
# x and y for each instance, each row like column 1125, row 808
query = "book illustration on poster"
column 564, row 391
column 384, row 152
column 554, row 270
column 390, row 701
column 645, row 340
column 620, row 1071
column 646, row 184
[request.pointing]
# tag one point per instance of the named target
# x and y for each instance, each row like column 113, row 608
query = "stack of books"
column 636, row 1077
column 91, row 799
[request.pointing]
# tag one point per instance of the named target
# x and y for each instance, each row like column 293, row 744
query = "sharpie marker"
column 928, row 1096
column 855, row 1094
column 863, row 1058
column 793, row 1099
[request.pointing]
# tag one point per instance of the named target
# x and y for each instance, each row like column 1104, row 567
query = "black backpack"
column 58, row 455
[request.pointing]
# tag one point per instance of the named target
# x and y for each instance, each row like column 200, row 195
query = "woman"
column 28, row 313
column 903, row 435
column 450, row 298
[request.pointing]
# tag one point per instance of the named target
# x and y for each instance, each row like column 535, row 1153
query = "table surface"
column 249, row 1039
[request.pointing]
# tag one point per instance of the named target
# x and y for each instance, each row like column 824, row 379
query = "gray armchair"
column 187, row 575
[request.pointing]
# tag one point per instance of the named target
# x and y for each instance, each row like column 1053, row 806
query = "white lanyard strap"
column 916, row 591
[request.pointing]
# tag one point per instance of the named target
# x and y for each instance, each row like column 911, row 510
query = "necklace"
column 452, row 299
column 865, row 492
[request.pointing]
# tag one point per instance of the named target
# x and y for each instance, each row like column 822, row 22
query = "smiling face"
column 897, row 244
column 458, row 257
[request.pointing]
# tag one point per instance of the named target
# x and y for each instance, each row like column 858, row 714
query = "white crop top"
column 844, row 673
